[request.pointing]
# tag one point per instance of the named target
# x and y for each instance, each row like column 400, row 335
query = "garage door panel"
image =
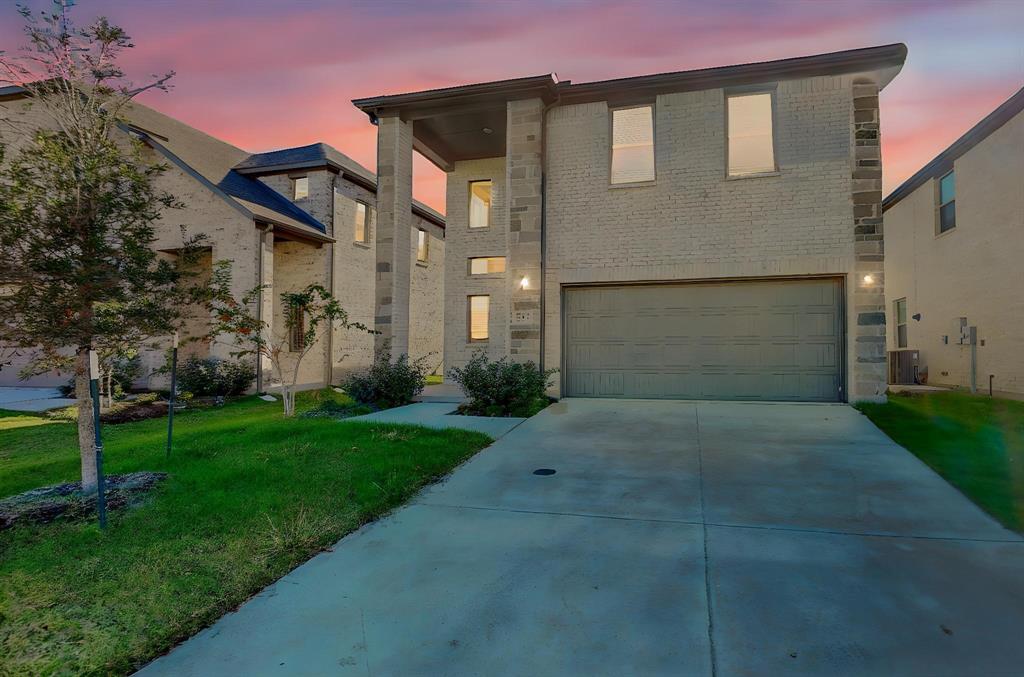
column 759, row 340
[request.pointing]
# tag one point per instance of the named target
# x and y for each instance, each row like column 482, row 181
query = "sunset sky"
column 266, row 74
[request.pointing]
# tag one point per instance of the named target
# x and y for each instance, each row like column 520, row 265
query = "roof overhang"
column 460, row 123
column 943, row 162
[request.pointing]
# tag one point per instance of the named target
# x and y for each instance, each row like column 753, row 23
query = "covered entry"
column 743, row 340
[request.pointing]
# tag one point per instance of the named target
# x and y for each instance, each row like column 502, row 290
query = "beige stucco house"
column 701, row 234
column 284, row 219
column 954, row 264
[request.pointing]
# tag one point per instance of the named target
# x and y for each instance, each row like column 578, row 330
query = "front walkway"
column 18, row 398
column 441, row 415
column 674, row 538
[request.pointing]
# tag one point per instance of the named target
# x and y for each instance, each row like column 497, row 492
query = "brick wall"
column 426, row 297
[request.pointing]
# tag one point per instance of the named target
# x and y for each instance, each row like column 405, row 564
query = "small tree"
column 77, row 212
column 308, row 315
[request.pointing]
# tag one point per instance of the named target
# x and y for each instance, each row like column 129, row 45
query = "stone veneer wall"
column 868, row 335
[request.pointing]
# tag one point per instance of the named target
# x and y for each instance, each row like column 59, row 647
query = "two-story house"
column 953, row 265
column 711, row 234
column 284, row 219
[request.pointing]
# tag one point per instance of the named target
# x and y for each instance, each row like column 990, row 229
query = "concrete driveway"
column 674, row 538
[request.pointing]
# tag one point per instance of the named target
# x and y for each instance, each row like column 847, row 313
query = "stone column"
column 523, row 171
column 394, row 239
column 869, row 378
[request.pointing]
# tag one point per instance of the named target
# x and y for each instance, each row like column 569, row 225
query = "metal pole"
column 174, row 387
column 101, row 484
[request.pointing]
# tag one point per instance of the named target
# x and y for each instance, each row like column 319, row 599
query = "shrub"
column 502, row 387
column 146, row 398
column 389, row 384
column 211, row 376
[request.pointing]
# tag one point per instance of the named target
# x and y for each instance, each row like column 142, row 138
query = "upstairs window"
column 300, row 187
column 632, row 145
column 479, row 318
column 362, row 212
column 479, row 204
column 751, row 143
column 899, row 311
column 947, row 202
column 485, row 265
column 422, row 246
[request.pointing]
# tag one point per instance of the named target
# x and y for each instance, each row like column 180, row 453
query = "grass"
column 975, row 443
column 435, row 379
column 250, row 496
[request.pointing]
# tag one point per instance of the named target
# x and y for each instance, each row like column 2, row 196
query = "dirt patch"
column 67, row 501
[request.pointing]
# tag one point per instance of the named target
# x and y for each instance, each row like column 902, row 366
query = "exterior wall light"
column 869, row 279
column 524, row 283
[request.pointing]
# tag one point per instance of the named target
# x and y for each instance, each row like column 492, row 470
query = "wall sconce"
column 524, row 283
column 869, row 279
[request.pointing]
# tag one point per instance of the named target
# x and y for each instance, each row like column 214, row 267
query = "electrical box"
column 963, row 331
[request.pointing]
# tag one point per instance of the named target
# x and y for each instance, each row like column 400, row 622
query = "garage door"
column 758, row 340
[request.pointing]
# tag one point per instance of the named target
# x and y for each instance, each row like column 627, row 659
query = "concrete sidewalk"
column 674, row 538
column 439, row 415
column 16, row 398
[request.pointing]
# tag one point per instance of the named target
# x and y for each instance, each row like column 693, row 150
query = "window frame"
column 366, row 223
column 422, row 233
column 737, row 92
column 897, row 324
column 469, row 318
column 469, row 266
column 939, row 204
column 653, row 105
column 295, row 187
column 469, row 204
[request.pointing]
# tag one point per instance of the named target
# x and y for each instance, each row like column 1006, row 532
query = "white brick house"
column 284, row 219
column 702, row 234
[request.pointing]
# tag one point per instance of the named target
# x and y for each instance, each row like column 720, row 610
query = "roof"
column 943, row 162
column 320, row 155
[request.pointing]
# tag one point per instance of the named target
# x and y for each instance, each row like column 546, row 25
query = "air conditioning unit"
column 903, row 367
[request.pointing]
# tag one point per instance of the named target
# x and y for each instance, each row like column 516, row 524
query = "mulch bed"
column 47, row 504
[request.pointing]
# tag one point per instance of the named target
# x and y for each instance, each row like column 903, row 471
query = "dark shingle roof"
column 252, row 190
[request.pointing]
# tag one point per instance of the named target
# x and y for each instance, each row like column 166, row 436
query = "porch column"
column 394, row 239
column 523, row 172
column 265, row 311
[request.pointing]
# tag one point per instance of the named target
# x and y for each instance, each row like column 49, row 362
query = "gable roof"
column 943, row 162
column 322, row 155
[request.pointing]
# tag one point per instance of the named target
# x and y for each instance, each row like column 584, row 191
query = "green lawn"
column 250, row 496
column 976, row 443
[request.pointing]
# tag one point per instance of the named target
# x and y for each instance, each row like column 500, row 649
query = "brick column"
column 394, row 239
column 523, row 177
column 869, row 376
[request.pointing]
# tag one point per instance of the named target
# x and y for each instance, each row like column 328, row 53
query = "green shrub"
column 211, row 376
column 502, row 387
column 389, row 384
column 146, row 398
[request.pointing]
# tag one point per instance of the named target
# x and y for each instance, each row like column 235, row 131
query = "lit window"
column 300, row 187
column 479, row 314
column 751, row 147
column 422, row 246
column 479, row 204
column 484, row 265
column 947, row 202
column 361, row 229
column 633, row 144
column 899, row 310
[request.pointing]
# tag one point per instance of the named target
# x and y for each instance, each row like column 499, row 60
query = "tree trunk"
column 86, row 427
column 288, row 399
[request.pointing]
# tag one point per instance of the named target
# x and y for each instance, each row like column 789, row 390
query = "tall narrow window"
column 361, row 222
column 485, row 265
column 947, row 202
column 632, row 144
column 479, row 204
column 296, row 329
column 422, row 245
column 899, row 311
column 479, row 316
column 300, row 187
column 751, row 146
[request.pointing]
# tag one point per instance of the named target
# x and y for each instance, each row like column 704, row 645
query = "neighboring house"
column 285, row 219
column 702, row 234
column 954, row 263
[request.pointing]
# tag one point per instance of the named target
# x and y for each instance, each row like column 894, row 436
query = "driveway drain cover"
column 543, row 471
